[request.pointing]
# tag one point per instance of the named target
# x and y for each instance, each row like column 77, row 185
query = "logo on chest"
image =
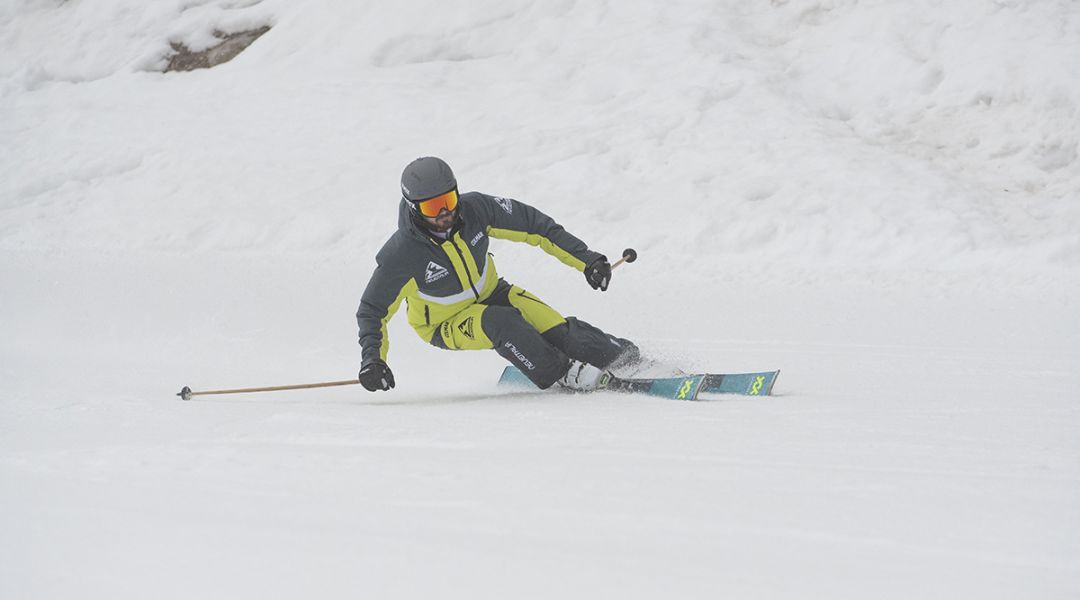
column 435, row 272
column 476, row 239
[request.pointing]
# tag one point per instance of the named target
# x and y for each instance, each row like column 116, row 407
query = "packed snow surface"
column 882, row 199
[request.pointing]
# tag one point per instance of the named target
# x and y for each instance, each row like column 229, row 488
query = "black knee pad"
column 581, row 341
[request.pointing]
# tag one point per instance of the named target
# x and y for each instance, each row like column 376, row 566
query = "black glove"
column 376, row 376
column 598, row 274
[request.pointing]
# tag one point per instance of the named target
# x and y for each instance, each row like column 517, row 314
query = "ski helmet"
column 426, row 178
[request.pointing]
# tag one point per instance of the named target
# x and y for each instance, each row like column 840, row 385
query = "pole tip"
column 630, row 254
column 185, row 394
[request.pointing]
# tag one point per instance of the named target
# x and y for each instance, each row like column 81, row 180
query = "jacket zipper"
column 427, row 315
column 466, row 267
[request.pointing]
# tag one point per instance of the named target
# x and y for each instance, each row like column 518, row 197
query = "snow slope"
column 879, row 198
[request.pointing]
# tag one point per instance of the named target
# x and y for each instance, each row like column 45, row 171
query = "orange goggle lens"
column 433, row 206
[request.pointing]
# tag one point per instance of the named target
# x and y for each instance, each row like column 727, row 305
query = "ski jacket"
column 438, row 278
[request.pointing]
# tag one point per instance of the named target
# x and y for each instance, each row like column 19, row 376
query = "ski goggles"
column 433, row 206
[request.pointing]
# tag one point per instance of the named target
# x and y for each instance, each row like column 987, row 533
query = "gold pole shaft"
column 277, row 388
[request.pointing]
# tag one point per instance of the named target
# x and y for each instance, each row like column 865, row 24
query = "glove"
column 376, row 376
column 598, row 274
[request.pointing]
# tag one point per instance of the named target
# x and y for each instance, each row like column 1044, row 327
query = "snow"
column 878, row 198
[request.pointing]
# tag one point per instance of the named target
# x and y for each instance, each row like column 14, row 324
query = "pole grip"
column 629, row 255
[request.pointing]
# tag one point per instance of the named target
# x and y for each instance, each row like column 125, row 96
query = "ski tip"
column 776, row 375
column 699, row 384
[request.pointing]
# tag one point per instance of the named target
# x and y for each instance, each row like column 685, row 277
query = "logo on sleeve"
column 476, row 239
column 506, row 203
column 435, row 272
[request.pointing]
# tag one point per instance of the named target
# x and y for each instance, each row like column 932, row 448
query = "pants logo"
column 524, row 361
column 466, row 328
column 755, row 388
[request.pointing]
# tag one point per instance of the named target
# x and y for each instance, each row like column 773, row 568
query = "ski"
column 683, row 387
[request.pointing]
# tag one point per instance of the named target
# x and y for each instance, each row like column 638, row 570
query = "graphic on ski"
column 746, row 384
column 684, row 387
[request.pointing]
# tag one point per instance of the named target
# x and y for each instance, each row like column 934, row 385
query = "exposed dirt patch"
column 231, row 45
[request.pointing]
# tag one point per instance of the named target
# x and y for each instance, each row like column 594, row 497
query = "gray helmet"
column 425, row 178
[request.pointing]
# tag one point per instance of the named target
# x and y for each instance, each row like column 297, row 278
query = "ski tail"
column 513, row 377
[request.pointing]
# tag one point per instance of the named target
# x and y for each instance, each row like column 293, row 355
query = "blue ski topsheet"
column 747, row 384
column 685, row 387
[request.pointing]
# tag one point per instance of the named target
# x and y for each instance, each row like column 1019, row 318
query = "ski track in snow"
column 878, row 199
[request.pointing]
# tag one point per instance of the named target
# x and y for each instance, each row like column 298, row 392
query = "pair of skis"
column 683, row 387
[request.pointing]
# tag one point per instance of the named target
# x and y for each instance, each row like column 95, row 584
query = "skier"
column 438, row 262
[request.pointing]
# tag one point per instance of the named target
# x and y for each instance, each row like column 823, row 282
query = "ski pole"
column 186, row 392
column 628, row 255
